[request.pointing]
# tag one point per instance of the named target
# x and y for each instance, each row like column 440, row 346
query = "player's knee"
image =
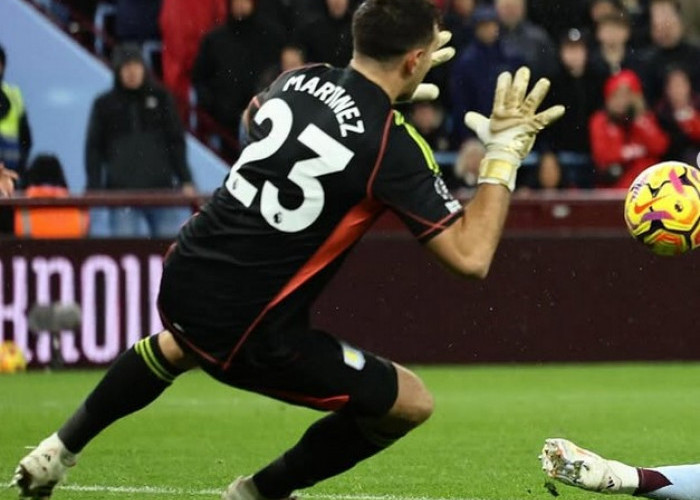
column 414, row 404
column 420, row 409
column 173, row 352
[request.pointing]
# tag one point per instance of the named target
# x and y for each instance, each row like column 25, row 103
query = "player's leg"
column 135, row 379
column 563, row 460
column 337, row 442
column 374, row 403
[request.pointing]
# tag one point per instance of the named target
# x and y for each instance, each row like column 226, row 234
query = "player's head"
column 398, row 34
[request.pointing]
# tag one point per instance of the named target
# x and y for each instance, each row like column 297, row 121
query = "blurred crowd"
column 628, row 72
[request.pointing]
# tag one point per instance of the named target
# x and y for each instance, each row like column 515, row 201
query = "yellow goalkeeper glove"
column 511, row 131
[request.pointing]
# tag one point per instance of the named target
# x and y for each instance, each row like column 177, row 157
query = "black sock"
column 330, row 446
column 135, row 379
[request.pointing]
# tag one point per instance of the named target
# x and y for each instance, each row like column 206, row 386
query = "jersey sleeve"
column 409, row 181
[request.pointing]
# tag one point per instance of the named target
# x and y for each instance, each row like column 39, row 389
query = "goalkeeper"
column 327, row 154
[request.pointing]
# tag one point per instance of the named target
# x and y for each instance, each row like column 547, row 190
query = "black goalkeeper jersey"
column 326, row 155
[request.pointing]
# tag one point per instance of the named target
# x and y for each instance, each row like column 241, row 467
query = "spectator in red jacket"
column 183, row 24
column 679, row 114
column 625, row 136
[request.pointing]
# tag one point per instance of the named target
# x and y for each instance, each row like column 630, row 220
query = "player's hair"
column 385, row 29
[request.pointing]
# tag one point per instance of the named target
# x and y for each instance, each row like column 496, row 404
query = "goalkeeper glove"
column 511, row 131
column 428, row 91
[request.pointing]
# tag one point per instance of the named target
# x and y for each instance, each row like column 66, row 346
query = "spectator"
column 679, row 116
column 638, row 14
column 136, row 20
column 282, row 13
column 520, row 36
column 182, row 35
column 15, row 134
column 669, row 50
column 291, row 57
column 135, row 141
column 598, row 9
column 473, row 76
column 230, row 60
column 429, row 119
column 458, row 20
column 612, row 53
column 7, row 181
column 691, row 13
column 466, row 168
column 328, row 39
column 550, row 175
column 557, row 17
column 580, row 88
column 45, row 179
column 625, row 136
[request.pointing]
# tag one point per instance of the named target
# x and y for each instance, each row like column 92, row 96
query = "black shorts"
column 309, row 368
column 282, row 358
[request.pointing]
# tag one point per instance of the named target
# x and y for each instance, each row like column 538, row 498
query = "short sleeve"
column 409, row 182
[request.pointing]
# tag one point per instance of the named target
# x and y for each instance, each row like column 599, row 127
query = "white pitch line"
column 164, row 490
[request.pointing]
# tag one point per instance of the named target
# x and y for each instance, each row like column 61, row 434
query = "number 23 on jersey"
column 331, row 157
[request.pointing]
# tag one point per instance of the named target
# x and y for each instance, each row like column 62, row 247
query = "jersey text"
column 335, row 97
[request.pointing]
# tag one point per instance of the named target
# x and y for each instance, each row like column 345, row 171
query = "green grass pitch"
column 482, row 442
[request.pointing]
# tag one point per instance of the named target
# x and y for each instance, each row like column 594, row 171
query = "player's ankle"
column 629, row 478
column 67, row 457
column 252, row 490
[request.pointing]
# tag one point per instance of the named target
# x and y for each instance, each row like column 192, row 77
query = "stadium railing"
column 531, row 211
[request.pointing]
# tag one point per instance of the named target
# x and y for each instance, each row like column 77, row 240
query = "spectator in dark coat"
column 638, row 13
column 230, row 60
column 580, row 89
column 429, row 119
column 525, row 39
column 135, row 141
column 291, row 57
column 670, row 49
column 679, row 115
column 328, row 38
column 136, row 20
column 625, row 136
column 613, row 52
column 474, row 74
column 557, row 17
column 458, row 20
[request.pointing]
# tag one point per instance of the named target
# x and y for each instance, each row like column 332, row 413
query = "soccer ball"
column 11, row 358
column 662, row 208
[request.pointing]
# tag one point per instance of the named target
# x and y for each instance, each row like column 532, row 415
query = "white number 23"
column 331, row 157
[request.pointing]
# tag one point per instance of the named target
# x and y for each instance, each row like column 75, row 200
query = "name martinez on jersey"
column 333, row 96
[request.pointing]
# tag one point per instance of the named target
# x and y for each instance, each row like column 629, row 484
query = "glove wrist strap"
column 497, row 170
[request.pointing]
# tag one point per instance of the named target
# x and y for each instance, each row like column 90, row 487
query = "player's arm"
column 468, row 245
